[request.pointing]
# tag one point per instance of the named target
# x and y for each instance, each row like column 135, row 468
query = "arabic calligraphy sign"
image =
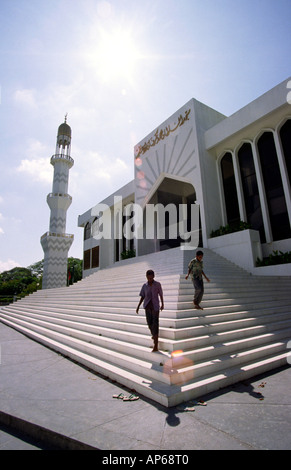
column 161, row 134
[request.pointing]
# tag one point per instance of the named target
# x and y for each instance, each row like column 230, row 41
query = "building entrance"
column 175, row 198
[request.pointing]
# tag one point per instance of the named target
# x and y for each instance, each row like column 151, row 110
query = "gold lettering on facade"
column 161, row 134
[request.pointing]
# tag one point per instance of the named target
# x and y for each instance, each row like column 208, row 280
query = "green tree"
column 75, row 270
column 19, row 282
column 37, row 268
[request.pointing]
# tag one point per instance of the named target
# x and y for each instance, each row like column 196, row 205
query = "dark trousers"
column 199, row 290
column 152, row 317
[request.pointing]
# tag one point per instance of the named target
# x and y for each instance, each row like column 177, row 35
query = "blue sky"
column 119, row 68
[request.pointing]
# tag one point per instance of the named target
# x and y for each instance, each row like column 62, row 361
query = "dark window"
column 273, row 187
column 87, row 259
column 117, row 249
column 87, row 231
column 229, row 188
column 250, row 189
column 285, row 135
column 95, row 257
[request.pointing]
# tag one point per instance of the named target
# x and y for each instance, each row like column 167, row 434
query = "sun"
column 116, row 55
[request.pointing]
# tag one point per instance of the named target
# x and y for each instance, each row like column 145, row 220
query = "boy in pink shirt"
column 149, row 294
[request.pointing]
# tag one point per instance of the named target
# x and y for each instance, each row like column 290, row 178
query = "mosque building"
column 201, row 174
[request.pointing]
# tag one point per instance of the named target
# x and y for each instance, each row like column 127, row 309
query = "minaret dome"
column 64, row 138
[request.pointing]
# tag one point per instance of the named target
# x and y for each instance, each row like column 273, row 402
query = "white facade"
column 235, row 168
column 56, row 243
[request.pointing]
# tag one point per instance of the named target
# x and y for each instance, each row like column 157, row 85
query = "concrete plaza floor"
column 48, row 401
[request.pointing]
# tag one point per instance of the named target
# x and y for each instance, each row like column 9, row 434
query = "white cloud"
column 36, row 166
column 25, row 97
column 38, row 169
column 99, row 174
column 7, row 265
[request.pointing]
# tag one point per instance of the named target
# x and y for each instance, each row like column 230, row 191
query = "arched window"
column 229, row 188
column 95, row 226
column 279, row 219
column 250, row 189
column 285, row 135
column 87, row 231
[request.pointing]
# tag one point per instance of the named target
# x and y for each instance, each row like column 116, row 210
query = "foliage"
column 37, row 268
column 230, row 228
column 127, row 254
column 19, row 282
column 75, row 270
column 277, row 257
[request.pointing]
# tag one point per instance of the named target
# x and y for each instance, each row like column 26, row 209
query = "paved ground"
column 48, row 401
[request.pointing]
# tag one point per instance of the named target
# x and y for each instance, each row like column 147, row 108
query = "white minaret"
column 56, row 243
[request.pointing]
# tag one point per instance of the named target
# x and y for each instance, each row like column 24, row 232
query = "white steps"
column 241, row 332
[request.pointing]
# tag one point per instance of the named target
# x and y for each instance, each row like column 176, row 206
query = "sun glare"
column 115, row 55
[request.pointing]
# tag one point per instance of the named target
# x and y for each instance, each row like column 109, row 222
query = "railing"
column 53, row 234
column 62, row 156
column 59, row 194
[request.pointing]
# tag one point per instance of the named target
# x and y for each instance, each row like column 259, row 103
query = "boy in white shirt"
column 195, row 269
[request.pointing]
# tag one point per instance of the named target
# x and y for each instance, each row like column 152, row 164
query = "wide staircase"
column 242, row 330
